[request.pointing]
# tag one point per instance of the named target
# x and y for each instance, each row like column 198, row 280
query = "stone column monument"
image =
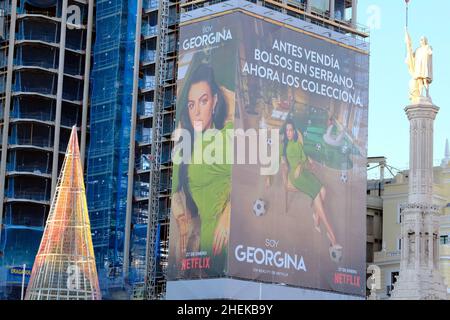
column 419, row 276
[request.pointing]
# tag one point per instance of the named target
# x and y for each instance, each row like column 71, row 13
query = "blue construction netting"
column 110, row 120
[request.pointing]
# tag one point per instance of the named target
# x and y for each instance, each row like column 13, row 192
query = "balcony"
column 38, row 169
column 2, row 84
column 69, row 121
column 148, row 56
column 35, row 89
column 3, row 61
column 40, row 56
column 42, row 142
column 144, row 136
column 28, row 194
column 32, row 114
column 145, row 108
column 168, row 127
column 149, row 5
column 36, row 33
column 387, row 256
column 141, row 190
column 374, row 202
column 37, row 63
column 169, row 102
column 163, row 213
column 172, row 46
column 166, row 158
column 165, row 186
column 149, row 31
column 297, row 4
column 140, row 216
column 35, row 82
column 75, row 39
column 148, row 83
column 143, row 163
column 49, row 11
column 72, row 89
column 21, row 214
column 172, row 19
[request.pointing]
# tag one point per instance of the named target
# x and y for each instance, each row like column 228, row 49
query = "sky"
column 389, row 77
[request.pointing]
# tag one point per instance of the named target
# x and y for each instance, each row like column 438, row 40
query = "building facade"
column 45, row 58
column 374, row 218
column 396, row 194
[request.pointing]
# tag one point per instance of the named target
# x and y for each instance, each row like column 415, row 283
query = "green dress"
column 210, row 187
column 306, row 182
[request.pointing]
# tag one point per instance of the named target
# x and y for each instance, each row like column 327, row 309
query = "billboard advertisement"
column 269, row 172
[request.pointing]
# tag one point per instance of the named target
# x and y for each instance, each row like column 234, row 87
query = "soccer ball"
column 318, row 146
column 336, row 253
column 344, row 177
column 259, row 207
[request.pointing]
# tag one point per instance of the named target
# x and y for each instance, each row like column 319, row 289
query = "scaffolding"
column 64, row 268
column 153, row 168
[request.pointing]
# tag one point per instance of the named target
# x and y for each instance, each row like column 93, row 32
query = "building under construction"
column 45, row 61
column 125, row 118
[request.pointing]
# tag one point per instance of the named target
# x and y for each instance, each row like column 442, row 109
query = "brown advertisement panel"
column 284, row 120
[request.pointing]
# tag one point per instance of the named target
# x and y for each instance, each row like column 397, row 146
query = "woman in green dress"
column 202, row 190
column 294, row 157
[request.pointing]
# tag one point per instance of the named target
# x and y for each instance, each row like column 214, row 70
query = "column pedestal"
column 419, row 277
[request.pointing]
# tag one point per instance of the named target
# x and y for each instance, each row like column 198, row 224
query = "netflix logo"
column 349, row 279
column 195, row 263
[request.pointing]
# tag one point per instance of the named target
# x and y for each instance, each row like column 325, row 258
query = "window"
column 390, row 287
column 399, row 244
column 369, row 225
column 399, row 213
column 320, row 5
column 369, row 252
column 444, row 239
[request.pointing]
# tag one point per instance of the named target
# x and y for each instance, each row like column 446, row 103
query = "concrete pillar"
column 308, row 6
column 332, row 2
column 59, row 92
column 9, row 73
column 131, row 162
column 87, row 73
column 354, row 13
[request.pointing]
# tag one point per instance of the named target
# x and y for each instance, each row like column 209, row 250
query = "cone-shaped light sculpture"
column 64, row 268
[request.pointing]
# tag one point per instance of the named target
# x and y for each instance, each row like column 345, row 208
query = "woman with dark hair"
column 202, row 190
column 295, row 159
